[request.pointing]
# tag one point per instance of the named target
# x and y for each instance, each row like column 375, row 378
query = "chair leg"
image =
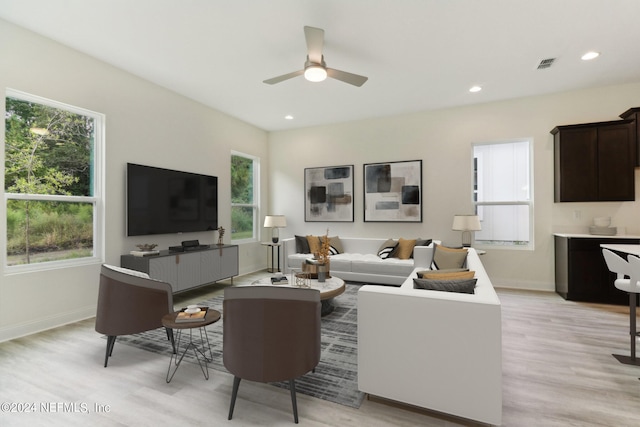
column 111, row 340
column 170, row 338
column 631, row 360
column 292, row 387
column 234, row 394
column 632, row 324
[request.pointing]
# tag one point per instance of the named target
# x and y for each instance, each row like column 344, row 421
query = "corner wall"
column 442, row 139
column 145, row 124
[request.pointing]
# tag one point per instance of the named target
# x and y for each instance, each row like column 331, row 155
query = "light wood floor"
column 557, row 371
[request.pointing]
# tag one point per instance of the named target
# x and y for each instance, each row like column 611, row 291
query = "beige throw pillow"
column 314, row 244
column 445, row 257
column 405, row 248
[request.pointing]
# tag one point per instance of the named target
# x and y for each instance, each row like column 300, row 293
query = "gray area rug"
column 336, row 376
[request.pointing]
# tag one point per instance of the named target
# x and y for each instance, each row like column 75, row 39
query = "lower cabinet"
column 581, row 272
column 187, row 270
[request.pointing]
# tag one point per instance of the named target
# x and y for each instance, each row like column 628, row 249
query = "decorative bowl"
column 146, row 246
column 602, row 221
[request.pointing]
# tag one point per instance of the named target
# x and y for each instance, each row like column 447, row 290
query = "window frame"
column 97, row 199
column 530, row 203
column 256, row 197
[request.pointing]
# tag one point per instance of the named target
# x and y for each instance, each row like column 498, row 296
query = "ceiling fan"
column 315, row 69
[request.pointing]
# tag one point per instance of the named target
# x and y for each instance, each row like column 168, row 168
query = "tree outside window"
column 244, row 200
column 49, row 177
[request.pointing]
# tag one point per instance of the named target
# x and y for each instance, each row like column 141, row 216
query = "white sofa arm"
column 423, row 255
column 288, row 248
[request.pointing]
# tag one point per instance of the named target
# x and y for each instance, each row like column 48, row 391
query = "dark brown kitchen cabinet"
column 581, row 272
column 634, row 114
column 595, row 162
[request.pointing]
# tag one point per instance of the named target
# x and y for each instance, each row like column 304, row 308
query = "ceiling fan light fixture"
column 590, row 55
column 315, row 73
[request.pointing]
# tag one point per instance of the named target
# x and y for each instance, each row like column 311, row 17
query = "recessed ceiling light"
column 475, row 89
column 288, row 117
column 590, row 55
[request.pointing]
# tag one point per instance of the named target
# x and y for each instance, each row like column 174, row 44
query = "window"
column 245, row 173
column 502, row 193
column 52, row 182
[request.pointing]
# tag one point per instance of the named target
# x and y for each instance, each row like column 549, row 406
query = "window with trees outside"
column 502, row 193
column 245, row 175
column 51, row 182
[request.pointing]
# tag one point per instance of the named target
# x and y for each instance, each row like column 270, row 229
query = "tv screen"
column 165, row 201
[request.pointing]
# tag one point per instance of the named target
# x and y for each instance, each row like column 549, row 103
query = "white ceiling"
column 418, row 54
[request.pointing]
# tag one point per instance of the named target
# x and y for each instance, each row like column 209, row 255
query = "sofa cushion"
column 445, row 257
column 404, row 248
column 335, row 246
column 466, row 286
column 387, row 248
column 448, row 270
column 314, row 244
column 302, row 245
column 449, row 275
column 340, row 262
column 372, row 264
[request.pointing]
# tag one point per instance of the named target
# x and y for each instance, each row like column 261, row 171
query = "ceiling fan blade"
column 283, row 77
column 315, row 43
column 343, row 76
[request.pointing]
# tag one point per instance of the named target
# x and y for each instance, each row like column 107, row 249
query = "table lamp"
column 275, row 222
column 466, row 224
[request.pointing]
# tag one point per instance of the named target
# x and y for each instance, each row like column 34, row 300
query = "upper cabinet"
column 634, row 114
column 595, row 162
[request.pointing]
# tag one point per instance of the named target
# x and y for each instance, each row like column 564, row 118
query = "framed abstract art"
column 328, row 194
column 393, row 191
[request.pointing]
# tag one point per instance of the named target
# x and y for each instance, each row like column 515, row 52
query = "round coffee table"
column 329, row 289
column 169, row 321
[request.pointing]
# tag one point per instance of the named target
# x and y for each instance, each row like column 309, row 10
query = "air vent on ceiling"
column 546, row 63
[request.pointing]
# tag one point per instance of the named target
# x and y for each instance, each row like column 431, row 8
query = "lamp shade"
column 466, row 223
column 275, row 221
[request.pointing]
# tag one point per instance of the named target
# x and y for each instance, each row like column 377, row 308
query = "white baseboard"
column 22, row 329
column 528, row 285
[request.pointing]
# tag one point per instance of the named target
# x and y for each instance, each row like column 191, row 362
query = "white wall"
column 144, row 124
column 442, row 139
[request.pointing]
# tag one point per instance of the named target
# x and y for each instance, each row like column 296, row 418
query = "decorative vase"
column 322, row 272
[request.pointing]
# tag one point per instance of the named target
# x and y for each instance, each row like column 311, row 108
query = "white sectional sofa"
column 436, row 350
column 360, row 261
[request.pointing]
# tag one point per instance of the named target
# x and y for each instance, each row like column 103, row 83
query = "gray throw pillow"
column 466, row 286
column 302, row 245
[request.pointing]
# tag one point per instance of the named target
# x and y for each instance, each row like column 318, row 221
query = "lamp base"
column 466, row 239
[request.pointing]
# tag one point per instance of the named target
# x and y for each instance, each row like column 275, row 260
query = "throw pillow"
column 448, row 270
column 451, row 275
column 444, row 257
column 387, row 248
column 335, row 246
column 422, row 242
column 459, row 286
column 302, row 245
column 314, row 244
column 405, row 248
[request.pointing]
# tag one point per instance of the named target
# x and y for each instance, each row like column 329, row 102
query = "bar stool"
column 630, row 268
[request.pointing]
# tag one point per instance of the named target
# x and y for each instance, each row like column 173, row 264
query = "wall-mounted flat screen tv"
column 165, row 201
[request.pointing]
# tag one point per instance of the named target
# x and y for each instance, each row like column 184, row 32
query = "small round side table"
column 169, row 321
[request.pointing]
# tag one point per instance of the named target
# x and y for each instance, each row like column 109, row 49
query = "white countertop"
column 597, row 236
column 627, row 249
